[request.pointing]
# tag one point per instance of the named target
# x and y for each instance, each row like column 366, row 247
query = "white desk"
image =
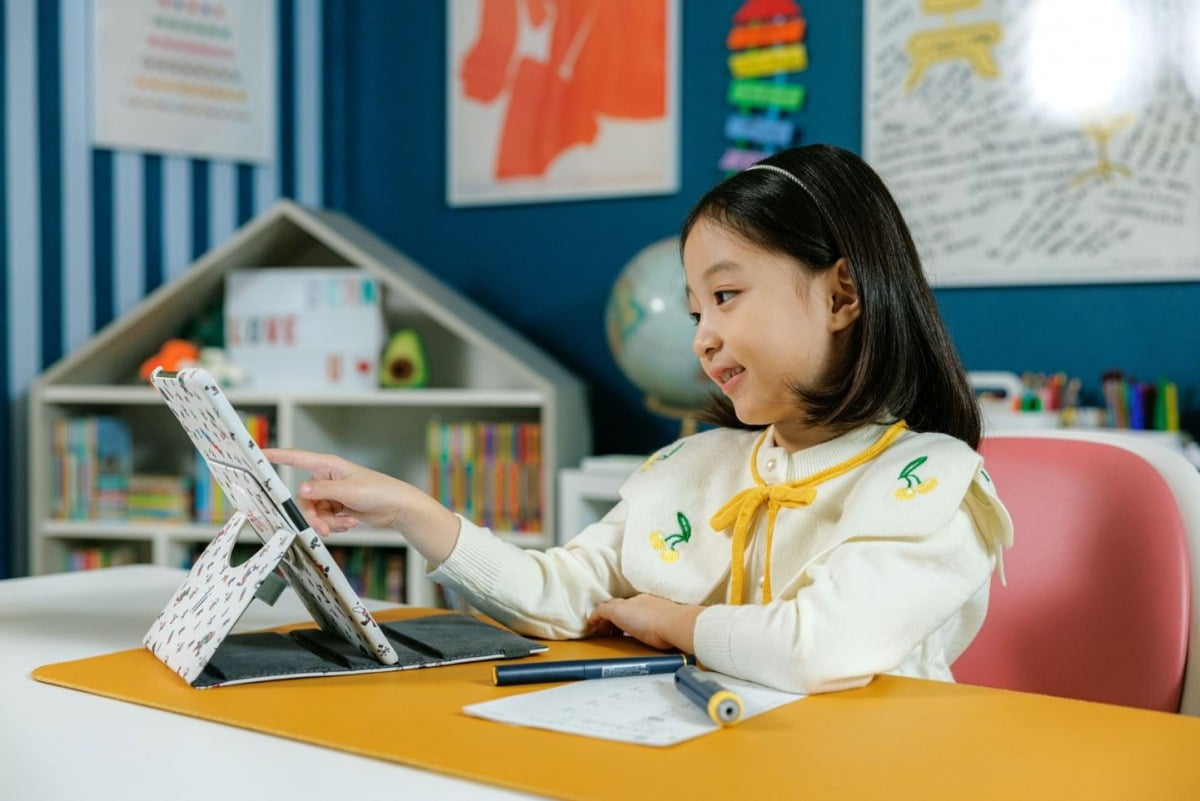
column 61, row 744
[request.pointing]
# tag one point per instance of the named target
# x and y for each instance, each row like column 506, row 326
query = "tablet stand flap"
column 211, row 599
column 443, row 638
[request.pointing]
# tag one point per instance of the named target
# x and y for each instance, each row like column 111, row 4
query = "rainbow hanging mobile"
column 766, row 45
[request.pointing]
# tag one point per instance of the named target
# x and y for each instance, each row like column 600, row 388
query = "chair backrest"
column 1099, row 587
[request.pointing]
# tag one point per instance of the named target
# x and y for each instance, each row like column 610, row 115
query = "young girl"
column 837, row 525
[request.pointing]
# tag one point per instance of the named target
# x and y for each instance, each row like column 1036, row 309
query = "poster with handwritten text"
column 1039, row 141
column 192, row 77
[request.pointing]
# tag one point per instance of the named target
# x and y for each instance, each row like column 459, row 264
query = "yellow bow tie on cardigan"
column 740, row 510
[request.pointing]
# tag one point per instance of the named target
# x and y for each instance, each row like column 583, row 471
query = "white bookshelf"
column 480, row 370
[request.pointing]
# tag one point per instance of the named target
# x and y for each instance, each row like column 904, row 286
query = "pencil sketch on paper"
column 644, row 710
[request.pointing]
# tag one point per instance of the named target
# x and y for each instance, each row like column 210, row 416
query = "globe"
column 650, row 333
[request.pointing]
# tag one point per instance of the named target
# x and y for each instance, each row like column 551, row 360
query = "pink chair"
column 1099, row 603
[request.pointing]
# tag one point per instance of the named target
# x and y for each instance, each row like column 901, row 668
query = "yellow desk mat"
column 895, row 738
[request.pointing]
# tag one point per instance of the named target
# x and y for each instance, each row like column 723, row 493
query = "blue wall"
column 547, row 268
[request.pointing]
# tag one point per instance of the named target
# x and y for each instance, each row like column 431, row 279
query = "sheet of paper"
column 646, row 710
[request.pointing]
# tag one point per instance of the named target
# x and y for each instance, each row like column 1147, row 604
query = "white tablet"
column 255, row 489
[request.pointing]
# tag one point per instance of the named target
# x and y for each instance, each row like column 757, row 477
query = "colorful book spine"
column 373, row 572
column 489, row 472
column 159, row 498
column 91, row 463
column 91, row 556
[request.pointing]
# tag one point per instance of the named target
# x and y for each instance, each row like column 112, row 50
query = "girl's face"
column 763, row 325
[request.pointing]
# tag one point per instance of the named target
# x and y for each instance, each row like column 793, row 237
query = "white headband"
column 779, row 170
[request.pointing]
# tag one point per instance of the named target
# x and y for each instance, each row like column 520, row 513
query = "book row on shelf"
column 92, row 462
column 372, row 572
column 93, row 477
column 89, row 556
column 490, row 472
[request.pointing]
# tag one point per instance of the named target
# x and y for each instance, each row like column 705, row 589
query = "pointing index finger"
column 305, row 460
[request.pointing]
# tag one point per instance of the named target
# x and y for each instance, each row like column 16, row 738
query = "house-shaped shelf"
column 479, row 370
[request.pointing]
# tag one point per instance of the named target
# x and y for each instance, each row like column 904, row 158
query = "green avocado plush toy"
column 403, row 363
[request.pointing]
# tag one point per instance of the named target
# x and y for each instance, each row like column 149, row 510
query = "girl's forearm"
column 428, row 526
column 681, row 627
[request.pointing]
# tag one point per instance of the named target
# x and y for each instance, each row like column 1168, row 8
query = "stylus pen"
column 720, row 704
column 572, row 669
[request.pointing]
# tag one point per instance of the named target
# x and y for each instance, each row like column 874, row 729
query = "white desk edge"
column 57, row 743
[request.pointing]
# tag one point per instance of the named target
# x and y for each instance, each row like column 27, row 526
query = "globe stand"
column 686, row 417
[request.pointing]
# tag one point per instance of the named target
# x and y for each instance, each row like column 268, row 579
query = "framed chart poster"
column 1039, row 141
column 191, row 78
column 561, row 99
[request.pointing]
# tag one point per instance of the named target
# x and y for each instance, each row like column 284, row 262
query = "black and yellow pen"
column 722, row 705
column 572, row 669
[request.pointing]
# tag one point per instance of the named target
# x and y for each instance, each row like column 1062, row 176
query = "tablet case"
column 192, row 634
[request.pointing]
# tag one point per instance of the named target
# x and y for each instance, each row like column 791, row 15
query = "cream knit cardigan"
column 887, row 570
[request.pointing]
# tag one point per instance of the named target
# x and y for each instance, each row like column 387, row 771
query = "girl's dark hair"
column 899, row 362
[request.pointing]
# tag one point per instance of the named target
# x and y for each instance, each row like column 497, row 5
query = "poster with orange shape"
column 561, row 99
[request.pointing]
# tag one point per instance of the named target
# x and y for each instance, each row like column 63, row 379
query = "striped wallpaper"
column 86, row 233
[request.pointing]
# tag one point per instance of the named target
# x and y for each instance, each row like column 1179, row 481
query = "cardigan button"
column 770, row 464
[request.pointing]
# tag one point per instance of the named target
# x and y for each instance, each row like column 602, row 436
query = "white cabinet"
column 480, row 371
column 587, row 493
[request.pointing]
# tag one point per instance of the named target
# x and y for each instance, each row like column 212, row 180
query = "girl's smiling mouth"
column 728, row 378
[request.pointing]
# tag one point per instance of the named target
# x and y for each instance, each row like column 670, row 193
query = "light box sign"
column 310, row 328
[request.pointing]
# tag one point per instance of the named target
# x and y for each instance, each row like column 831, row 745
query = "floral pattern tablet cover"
column 215, row 594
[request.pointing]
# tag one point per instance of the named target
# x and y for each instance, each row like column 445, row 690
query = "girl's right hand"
column 341, row 493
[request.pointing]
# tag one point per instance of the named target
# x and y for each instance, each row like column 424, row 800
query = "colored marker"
column 573, row 669
column 723, row 706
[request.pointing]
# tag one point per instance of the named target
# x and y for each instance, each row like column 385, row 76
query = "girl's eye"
column 695, row 317
column 722, row 296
